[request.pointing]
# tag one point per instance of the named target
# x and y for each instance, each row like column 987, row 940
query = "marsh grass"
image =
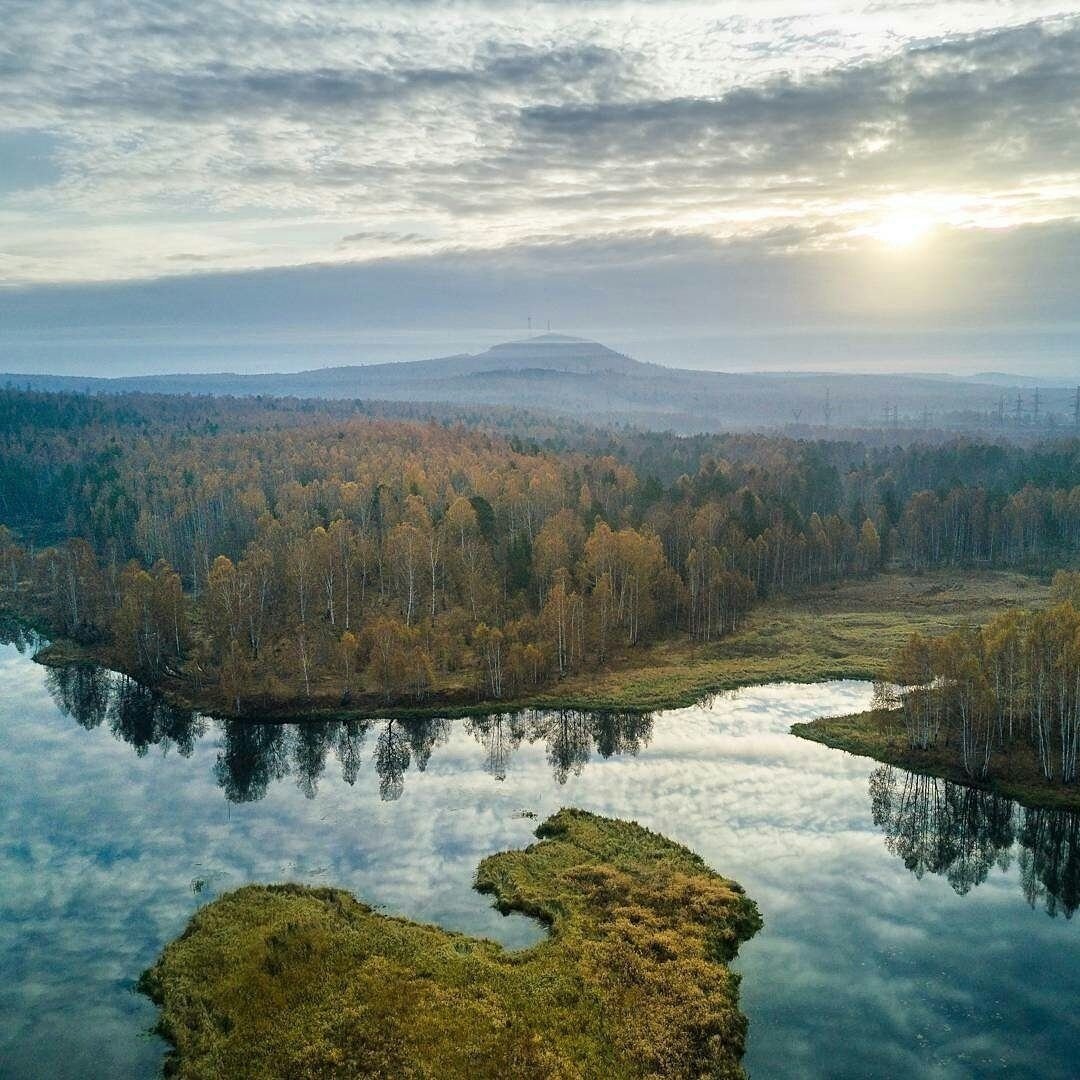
column 850, row 631
column 632, row 981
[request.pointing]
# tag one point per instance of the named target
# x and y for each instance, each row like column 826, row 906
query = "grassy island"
column 290, row 981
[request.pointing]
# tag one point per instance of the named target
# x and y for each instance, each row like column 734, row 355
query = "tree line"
column 1014, row 684
column 263, row 550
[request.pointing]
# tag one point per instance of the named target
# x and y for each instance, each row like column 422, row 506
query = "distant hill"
column 586, row 379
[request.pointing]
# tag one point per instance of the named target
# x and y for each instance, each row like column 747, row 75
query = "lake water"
column 912, row 928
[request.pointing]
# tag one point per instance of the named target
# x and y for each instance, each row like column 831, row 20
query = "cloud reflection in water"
column 863, row 969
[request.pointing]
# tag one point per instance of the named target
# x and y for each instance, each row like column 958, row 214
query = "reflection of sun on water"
column 901, row 230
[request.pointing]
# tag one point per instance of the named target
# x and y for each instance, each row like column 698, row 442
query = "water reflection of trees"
column 252, row 756
column 135, row 714
column 13, row 631
column 960, row 833
column 569, row 736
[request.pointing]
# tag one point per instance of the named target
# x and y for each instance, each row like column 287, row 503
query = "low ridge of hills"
column 576, row 377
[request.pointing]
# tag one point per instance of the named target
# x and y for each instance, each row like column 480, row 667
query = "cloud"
column 1005, row 105
column 788, row 277
column 384, row 238
column 231, row 91
column 757, row 153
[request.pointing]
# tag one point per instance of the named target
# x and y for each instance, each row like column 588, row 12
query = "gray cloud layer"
column 642, row 148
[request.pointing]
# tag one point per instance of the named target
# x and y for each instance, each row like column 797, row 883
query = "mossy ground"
column 880, row 735
column 289, row 981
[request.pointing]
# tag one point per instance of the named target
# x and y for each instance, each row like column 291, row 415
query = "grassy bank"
column 849, row 630
column 880, row 735
column 289, row 981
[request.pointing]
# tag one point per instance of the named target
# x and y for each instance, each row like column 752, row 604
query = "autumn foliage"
column 262, row 552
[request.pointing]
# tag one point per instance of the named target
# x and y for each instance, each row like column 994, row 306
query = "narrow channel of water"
column 912, row 927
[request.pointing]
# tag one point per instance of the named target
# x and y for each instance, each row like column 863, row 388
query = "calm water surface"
column 912, row 928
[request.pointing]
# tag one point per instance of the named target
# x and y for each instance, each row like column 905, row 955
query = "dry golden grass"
column 847, row 631
column 288, row 981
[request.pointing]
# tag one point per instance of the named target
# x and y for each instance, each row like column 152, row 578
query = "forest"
column 259, row 551
column 982, row 692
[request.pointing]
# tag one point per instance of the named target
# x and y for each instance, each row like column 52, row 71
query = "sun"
column 901, row 230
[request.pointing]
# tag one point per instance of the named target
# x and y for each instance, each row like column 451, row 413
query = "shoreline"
column 844, row 631
column 873, row 735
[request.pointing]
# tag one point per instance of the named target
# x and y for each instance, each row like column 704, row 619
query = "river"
column 912, row 927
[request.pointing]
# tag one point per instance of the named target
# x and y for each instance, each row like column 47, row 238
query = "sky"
column 771, row 184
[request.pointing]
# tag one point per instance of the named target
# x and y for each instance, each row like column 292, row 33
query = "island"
column 631, row 981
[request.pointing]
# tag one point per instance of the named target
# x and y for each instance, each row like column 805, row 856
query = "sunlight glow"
column 901, row 230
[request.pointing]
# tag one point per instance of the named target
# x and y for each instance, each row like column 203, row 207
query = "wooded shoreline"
column 847, row 631
column 995, row 706
column 879, row 735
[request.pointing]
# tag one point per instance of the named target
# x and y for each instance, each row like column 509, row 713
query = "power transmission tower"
column 1019, row 407
column 1035, row 408
column 828, row 406
column 1076, row 410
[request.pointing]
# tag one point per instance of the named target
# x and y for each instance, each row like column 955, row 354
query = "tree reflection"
column 962, row 833
column 81, row 691
column 392, row 756
column 13, row 631
column 350, row 740
column 622, row 733
column 424, row 735
column 1050, row 860
column 253, row 755
column 500, row 735
column 570, row 736
column 311, row 745
column 144, row 719
column 136, row 715
column 250, row 757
